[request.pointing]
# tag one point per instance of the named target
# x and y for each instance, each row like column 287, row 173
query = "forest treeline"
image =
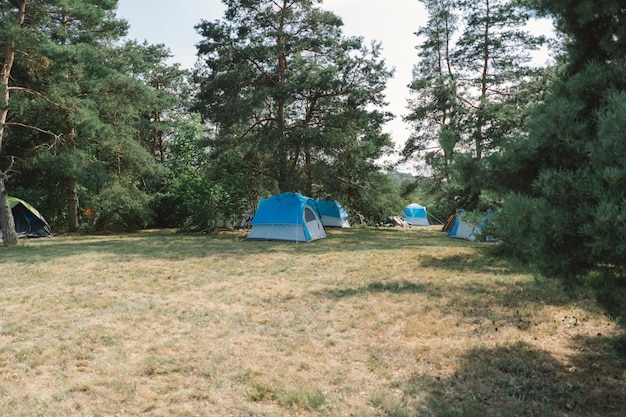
column 101, row 132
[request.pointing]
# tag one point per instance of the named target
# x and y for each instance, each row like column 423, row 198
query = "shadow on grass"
column 356, row 239
column 519, row 380
column 484, row 305
column 496, row 287
column 152, row 244
column 395, row 287
column 167, row 244
column 466, row 262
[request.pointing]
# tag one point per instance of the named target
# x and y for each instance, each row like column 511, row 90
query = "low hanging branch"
column 38, row 94
column 47, row 132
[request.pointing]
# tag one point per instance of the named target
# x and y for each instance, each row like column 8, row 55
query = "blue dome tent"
column 415, row 215
column 287, row 216
column 461, row 228
column 332, row 213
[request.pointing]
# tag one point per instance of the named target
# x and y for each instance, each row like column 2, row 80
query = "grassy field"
column 387, row 322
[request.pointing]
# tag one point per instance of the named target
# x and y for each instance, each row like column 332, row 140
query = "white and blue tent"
column 415, row 215
column 463, row 229
column 287, row 216
column 332, row 213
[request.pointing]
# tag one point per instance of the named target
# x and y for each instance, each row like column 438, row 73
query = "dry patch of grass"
column 388, row 322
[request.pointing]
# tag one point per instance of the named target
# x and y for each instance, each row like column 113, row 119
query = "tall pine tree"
column 13, row 16
column 86, row 115
column 474, row 57
column 296, row 105
column 573, row 158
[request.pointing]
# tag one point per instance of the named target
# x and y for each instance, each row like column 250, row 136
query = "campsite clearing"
column 367, row 322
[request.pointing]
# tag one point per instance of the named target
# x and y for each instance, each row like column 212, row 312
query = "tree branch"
column 35, row 93
column 5, row 175
column 47, row 132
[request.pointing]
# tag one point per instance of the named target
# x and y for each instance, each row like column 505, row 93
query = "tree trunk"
column 72, row 193
column 7, row 224
column 284, row 176
column 72, row 205
column 483, row 92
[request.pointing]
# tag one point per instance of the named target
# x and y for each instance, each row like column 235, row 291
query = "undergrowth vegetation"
column 368, row 322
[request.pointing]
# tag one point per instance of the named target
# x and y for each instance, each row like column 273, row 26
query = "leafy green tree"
column 162, row 124
column 195, row 200
column 73, row 79
column 435, row 109
column 296, row 106
column 55, row 52
column 92, row 115
column 468, row 87
column 169, row 97
column 492, row 56
column 572, row 159
column 13, row 16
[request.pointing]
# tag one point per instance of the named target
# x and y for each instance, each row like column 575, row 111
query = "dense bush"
column 121, row 207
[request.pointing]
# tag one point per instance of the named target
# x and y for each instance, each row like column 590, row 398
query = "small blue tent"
column 463, row 229
column 332, row 213
column 415, row 215
column 287, row 216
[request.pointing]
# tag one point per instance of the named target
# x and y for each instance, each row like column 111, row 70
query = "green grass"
column 368, row 322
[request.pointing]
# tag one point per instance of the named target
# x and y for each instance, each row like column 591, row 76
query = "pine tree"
column 79, row 112
column 573, row 158
column 12, row 22
column 473, row 63
column 436, row 113
column 296, row 106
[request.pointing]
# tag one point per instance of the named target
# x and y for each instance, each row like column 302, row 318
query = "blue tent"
column 332, row 213
column 463, row 229
column 415, row 215
column 287, row 216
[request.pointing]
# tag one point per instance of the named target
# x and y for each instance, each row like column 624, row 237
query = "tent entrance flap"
column 313, row 224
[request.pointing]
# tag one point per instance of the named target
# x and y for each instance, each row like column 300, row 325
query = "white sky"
column 391, row 22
